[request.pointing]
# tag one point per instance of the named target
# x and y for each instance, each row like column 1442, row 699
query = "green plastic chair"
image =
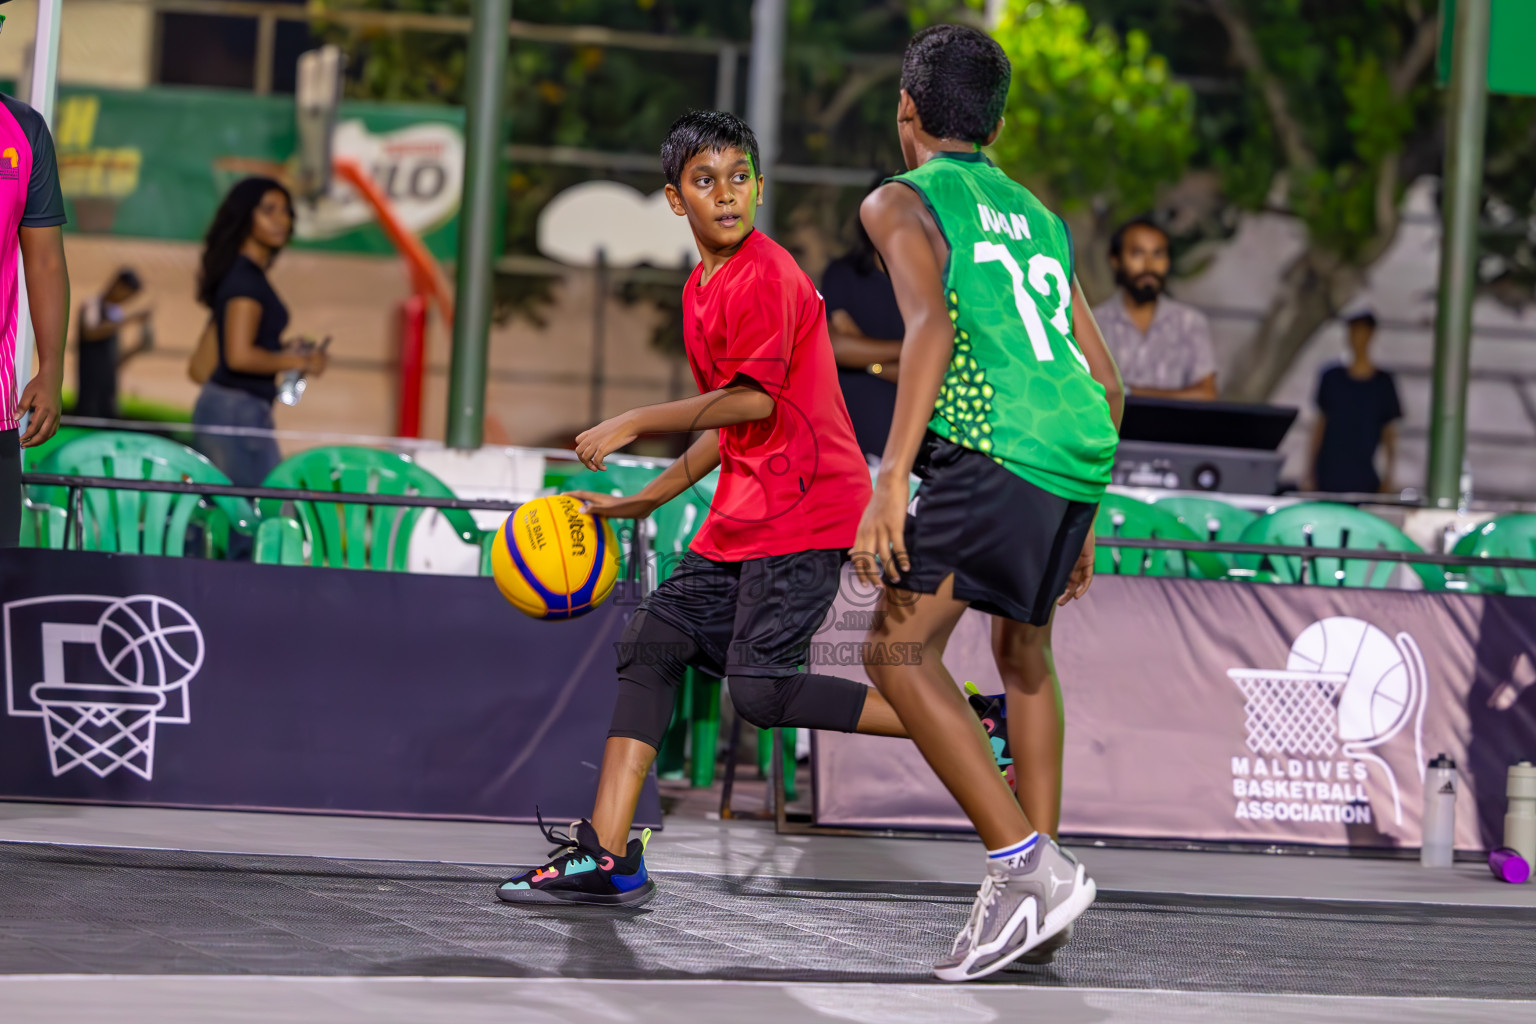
column 33, row 458
column 1328, row 525
column 141, row 522
column 1210, row 519
column 613, row 480
column 353, row 536
column 1123, row 517
column 1505, row 537
column 557, row 473
column 676, row 523
column 42, row 526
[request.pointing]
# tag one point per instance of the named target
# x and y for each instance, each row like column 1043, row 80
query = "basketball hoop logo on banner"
column 1314, row 726
column 102, row 673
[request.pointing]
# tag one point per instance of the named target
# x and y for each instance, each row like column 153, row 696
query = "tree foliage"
column 1326, row 112
column 1095, row 124
column 841, row 68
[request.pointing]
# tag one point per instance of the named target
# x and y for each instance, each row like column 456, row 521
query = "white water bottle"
column 1520, row 820
column 1439, row 814
column 291, row 386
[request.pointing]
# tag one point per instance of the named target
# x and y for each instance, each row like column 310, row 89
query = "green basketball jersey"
column 1018, row 387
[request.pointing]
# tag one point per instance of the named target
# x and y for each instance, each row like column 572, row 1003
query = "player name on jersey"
column 1014, row 225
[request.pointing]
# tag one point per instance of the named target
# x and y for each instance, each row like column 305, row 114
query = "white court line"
column 927, row 986
column 729, row 876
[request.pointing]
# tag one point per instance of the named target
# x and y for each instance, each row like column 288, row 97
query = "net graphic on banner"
column 1290, row 712
column 1347, row 686
column 107, row 671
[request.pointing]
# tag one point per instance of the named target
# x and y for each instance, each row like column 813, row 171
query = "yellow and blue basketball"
column 554, row 561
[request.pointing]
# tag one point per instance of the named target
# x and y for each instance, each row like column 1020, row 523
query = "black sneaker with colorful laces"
column 993, row 712
column 581, row 871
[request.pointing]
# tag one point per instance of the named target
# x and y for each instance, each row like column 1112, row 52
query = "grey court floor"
column 119, row 914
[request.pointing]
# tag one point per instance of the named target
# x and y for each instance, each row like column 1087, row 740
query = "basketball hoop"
column 317, row 94
column 100, row 728
column 1290, row 712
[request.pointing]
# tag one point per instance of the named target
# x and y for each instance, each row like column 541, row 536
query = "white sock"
column 1013, row 856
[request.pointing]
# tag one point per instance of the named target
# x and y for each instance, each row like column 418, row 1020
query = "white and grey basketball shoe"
column 1023, row 907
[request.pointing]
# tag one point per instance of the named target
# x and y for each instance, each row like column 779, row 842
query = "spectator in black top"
column 102, row 319
column 250, row 228
column 866, row 329
column 1357, row 408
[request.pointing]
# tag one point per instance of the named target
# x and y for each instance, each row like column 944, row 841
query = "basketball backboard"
column 317, row 94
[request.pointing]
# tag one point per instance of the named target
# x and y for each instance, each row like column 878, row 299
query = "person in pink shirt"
column 31, row 225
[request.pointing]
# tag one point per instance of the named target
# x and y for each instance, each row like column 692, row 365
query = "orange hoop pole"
column 427, row 277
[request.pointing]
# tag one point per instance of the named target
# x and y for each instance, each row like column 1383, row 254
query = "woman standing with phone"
column 251, row 227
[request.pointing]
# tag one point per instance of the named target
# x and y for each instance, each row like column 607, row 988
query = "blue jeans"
column 245, row 459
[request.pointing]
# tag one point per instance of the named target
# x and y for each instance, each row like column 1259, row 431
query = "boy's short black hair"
column 958, row 77
column 1117, row 240
column 1365, row 317
column 700, row 130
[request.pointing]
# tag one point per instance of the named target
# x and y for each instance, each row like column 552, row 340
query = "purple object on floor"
column 1509, row 866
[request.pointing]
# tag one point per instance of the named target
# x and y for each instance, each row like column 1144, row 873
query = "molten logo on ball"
column 102, row 672
column 551, row 560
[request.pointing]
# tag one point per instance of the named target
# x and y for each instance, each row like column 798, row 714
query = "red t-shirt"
column 795, row 481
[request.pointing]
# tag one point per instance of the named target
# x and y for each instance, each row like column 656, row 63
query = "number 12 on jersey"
column 1043, row 271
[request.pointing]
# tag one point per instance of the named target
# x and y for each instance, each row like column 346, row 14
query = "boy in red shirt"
column 747, row 598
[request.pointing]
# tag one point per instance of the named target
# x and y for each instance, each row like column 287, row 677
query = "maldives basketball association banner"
column 1241, row 712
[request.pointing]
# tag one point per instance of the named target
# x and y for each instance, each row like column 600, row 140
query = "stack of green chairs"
column 1210, row 520
column 1123, row 517
column 1328, row 525
column 353, row 536
column 135, row 522
column 1505, row 537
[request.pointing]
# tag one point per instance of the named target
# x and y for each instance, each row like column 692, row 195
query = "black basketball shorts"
column 1010, row 545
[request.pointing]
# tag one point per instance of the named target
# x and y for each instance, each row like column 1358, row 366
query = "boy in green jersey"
column 1007, row 408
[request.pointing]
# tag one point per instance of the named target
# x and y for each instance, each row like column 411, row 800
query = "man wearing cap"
column 1357, row 411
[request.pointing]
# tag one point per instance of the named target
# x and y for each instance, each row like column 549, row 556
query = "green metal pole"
column 483, row 147
column 1465, row 131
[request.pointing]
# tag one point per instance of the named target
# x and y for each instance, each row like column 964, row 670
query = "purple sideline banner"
column 181, row 682
column 1237, row 712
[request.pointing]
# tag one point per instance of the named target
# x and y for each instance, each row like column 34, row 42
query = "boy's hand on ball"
column 596, row 444
column 1082, row 572
column 614, row 506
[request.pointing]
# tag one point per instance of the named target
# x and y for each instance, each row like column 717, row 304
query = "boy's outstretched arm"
column 697, row 462
column 909, row 242
column 740, row 401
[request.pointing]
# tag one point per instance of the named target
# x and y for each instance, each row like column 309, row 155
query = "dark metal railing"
column 1306, row 551
column 77, row 485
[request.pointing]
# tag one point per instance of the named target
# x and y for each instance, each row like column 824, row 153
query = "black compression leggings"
column 10, row 489
column 654, row 654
